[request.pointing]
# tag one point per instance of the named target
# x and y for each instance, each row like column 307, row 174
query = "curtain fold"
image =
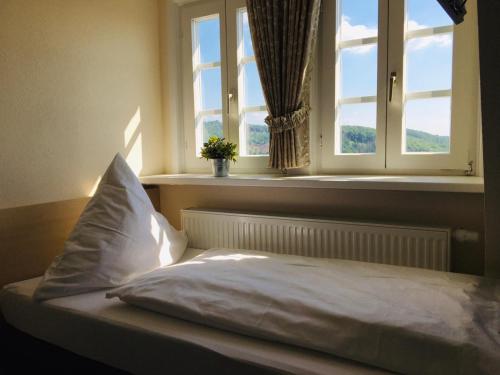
column 283, row 36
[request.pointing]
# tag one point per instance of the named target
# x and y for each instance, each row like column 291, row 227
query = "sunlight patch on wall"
column 132, row 126
column 133, row 142
column 134, row 156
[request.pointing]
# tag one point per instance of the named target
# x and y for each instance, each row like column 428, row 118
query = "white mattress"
column 407, row 320
column 104, row 330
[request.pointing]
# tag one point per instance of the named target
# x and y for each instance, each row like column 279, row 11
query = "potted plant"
column 221, row 153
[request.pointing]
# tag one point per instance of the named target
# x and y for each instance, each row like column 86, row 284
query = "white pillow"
column 118, row 237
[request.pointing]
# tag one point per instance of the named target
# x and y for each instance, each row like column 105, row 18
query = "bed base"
column 22, row 353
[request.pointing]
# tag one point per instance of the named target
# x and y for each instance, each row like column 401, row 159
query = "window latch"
column 230, row 97
column 392, row 82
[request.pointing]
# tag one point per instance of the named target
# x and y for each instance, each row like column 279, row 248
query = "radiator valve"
column 463, row 235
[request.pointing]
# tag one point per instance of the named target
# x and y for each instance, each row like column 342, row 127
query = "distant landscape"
column 361, row 139
column 355, row 139
column 259, row 137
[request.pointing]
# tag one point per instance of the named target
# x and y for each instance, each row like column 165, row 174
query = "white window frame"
column 242, row 61
column 232, row 86
column 389, row 157
column 330, row 69
column 465, row 74
column 189, row 74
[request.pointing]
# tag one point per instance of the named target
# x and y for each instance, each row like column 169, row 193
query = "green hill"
column 418, row 141
column 355, row 139
column 212, row 128
column 361, row 139
column 358, row 140
column 259, row 136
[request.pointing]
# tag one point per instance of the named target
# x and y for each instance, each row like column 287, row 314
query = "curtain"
column 283, row 36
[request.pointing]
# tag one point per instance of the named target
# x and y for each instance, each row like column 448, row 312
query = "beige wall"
column 79, row 81
column 170, row 47
column 454, row 210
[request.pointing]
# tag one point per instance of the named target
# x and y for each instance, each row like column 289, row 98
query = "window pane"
column 209, row 126
column 357, row 125
column 359, row 19
column 423, row 14
column 257, row 134
column 207, row 40
column 211, row 90
column 253, row 89
column 428, row 125
column 245, row 36
column 358, row 68
column 429, row 63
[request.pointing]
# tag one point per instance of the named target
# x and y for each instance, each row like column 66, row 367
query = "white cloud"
column 414, row 25
column 350, row 32
column 439, row 40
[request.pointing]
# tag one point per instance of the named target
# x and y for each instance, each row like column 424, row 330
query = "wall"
column 489, row 50
column 170, row 47
column 453, row 210
column 80, row 81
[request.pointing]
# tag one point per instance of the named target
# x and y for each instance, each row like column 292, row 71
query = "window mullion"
column 395, row 64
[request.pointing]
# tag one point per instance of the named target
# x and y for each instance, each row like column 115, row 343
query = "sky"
column 209, row 37
column 428, row 66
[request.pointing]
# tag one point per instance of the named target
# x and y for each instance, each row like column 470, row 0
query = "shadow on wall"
column 132, row 148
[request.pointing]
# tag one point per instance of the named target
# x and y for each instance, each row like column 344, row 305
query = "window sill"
column 454, row 184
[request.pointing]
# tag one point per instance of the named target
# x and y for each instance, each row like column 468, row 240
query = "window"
column 404, row 95
column 396, row 87
column 357, row 78
column 222, row 91
column 207, row 79
column 427, row 88
column 254, row 135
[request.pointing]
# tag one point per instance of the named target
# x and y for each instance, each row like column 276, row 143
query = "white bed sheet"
column 408, row 320
column 104, row 329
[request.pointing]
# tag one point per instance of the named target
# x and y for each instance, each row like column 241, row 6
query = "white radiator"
column 368, row 242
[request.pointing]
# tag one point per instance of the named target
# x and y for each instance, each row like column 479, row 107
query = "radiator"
column 403, row 245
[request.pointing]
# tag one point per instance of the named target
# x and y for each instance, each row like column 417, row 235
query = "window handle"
column 230, row 97
column 392, row 82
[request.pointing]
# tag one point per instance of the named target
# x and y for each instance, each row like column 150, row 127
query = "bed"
column 150, row 339
column 143, row 342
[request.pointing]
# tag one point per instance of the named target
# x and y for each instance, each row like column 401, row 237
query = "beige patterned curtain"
column 283, row 35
